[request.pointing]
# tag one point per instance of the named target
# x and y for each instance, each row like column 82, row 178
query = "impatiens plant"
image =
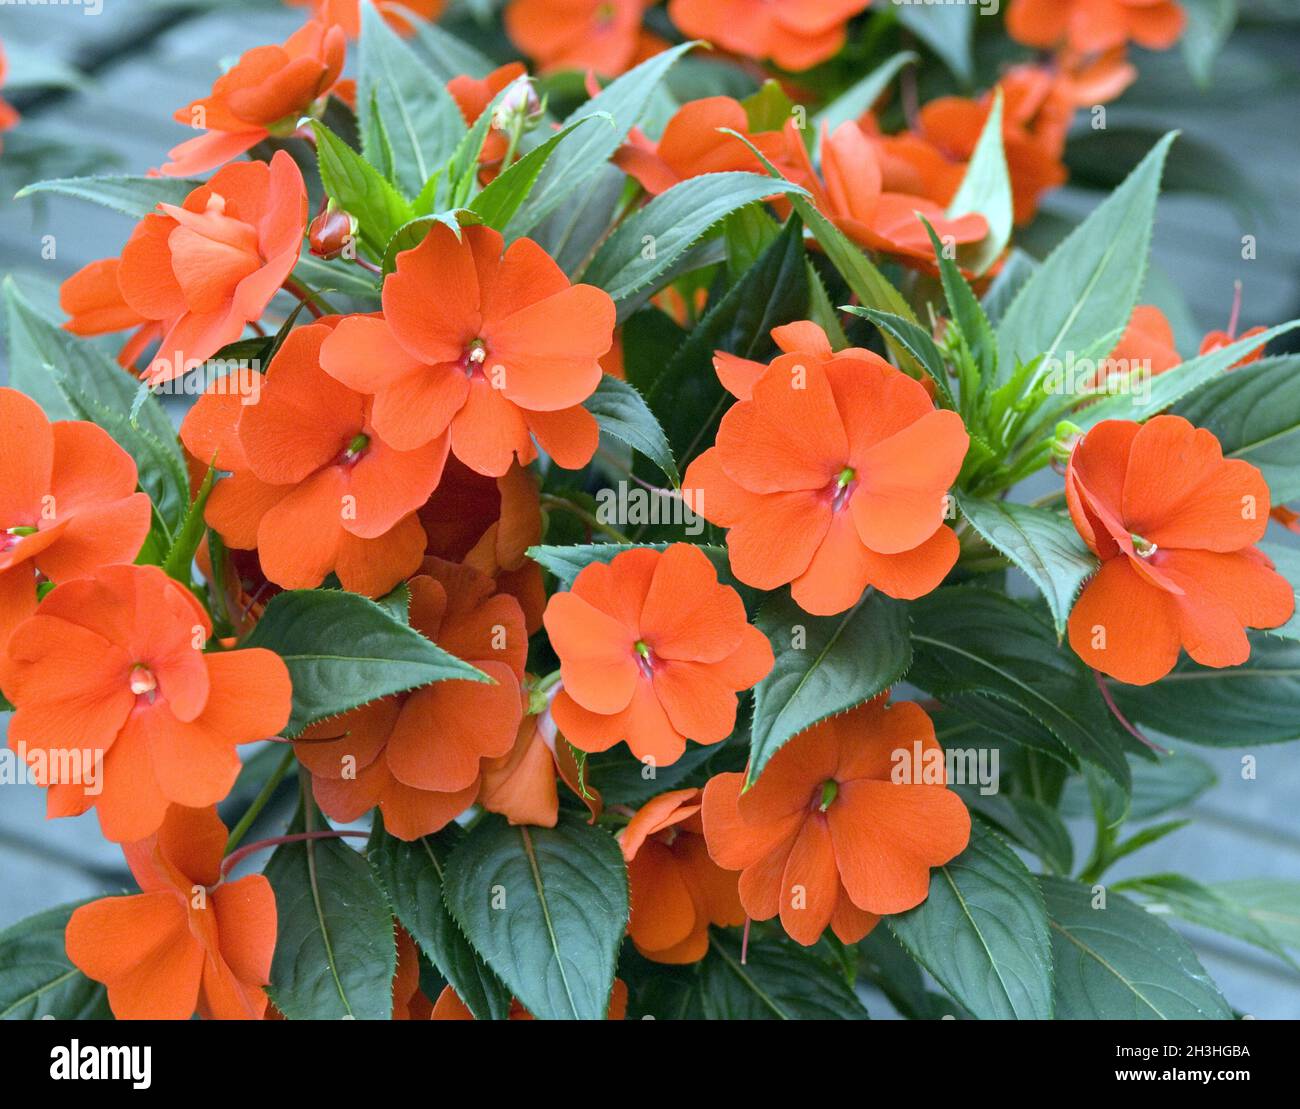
column 639, row 539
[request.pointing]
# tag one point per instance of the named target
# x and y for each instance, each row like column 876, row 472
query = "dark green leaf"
column 36, row 977
column 361, row 190
column 778, row 981
column 623, row 413
column 132, row 196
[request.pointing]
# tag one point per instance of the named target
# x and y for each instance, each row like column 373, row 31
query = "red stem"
column 294, row 289
column 1235, row 317
column 744, row 942
column 1114, row 711
column 236, row 857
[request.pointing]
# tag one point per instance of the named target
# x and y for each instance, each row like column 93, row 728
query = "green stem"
column 259, row 802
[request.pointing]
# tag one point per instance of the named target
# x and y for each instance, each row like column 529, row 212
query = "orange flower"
column 313, row 486
column 600, row 35
column 450, row 1007
column 853, row 198
column 794, row 35
column 489, row 524
column 1091, row 26
column 499, row 348
column 473, row 95
column 843, row 825
column 189, row 940
column 8, row 116
column 1217, row 340
column 409, row 1002
column 653, row 651
column 521, row 784
column 93, row 299
column 676, row 889
column 200, row 271
column 346, row 14
column 417, row 755
column 115, row 659
column 264, row 94
column 68, row 504
column 1147, row 346
column 1174, row 524
column 1036, row 113
column 833, row 477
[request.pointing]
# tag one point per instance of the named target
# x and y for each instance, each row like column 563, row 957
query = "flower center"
column 356, row 448
column 10, row 537
column 842, row 487
column 830, row 790
column 645, row 658
column 474, row 357
column 1142, row 546
column 143, row 682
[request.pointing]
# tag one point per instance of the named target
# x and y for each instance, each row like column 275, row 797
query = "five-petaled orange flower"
column 833, row 476
column 266, row 92
column 794, row 35
column 676, row 889
column 499, row 348
column 604, row 36
column 112, row 665
column 200, row 271
column 653, row 650
column 1092, row 26
column 313, row 486
column 189, row 940
column 1174, row 524
column 68, row 504
column 417, row 755
column 842, row 826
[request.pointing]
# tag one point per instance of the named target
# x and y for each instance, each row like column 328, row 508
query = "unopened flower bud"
column 518, row 107
column 1064, row 440
column 332, row 232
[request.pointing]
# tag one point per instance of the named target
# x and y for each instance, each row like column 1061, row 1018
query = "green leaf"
column 982, row 932
column 778, row 981
column 1170, row 783
column 623, row 413
column 1198, row 904
column 361, row 190
column 1235, row 706
column 839, row 662
column 410, row 123
column 497, row 204
column 858, row 98
column 1079, row 300
column 1122, row 963
column 625, row 99
column 916, row 340
column 343, row 650
column 947, row 29
column 1042, row 543
column 72, row 379
column 1209, row 23
column 985, row 653
column 448, row 55
column 646, row 244
column 132, row 196
column 412, row 875
column 1286, row 560
column 546, row 908
column 1273, row 903
column 36, row 977
column 1033, row 825
column 986, row 190
column 1254, row 412
column 335, row 955
column 1173, row 385
column 180, row 555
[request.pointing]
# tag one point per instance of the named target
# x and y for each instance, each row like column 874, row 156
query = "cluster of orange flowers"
column 394, row 448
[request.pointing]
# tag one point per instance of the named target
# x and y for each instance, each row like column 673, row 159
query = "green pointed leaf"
column 410, row 123
column 986, row 190
column 840, row 662
column 1042, row 543
column 947, row 29
column 1000, row 662
column 982, row 932
column 779, row 980
column 546, row 908
column 412, row 875
column 1170, row 783
column 36, row 977
column 1273, row 903
column 335, row 955
column 1235, row 706
column 1079, row 300
column 361, row 190
column 179, row 559
column 625, row 99
column 1209, row 23
column 858, row 98
column 1033, row 825
column 132, row 196
column 965, row 310
column 917, row 341
column 344, row 650
column 448, row 55
column 72, row 379
column 1122, row 963
column 646, row 244
column 623, row 413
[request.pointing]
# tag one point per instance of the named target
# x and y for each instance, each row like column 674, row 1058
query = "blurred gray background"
column 97, row 93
